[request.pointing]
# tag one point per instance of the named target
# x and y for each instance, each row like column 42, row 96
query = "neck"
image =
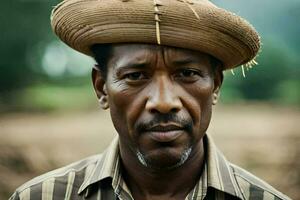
column 146, row 183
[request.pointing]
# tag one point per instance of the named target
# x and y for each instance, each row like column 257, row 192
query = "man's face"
column 160, row 100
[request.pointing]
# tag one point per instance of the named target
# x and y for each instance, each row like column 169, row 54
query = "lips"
column 165, row 132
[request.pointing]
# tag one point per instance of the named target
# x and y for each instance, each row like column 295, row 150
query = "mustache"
column 184, row 122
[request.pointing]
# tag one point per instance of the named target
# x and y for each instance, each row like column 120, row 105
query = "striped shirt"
column 99, row 177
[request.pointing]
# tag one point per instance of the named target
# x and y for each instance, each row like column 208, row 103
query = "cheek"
column 125, row 107
column 199, row 103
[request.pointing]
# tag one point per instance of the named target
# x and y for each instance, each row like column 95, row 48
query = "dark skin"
column 160, row 100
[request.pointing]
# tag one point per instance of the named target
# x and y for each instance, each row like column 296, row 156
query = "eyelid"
column 135, row 72
column 124, row 71
column 197, row 71
column 130, row 67
column 188, row 79
column 142, row 76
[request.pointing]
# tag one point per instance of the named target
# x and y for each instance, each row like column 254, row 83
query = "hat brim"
column 198, row 26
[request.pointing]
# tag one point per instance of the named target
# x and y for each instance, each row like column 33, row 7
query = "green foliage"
column 288, row 92
column 24, row 27
column 275, row 79
column 52, row 98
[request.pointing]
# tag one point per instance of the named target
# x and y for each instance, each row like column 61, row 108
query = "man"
column 159, row 72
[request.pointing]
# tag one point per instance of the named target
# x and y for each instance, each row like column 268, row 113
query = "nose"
column 163, row 97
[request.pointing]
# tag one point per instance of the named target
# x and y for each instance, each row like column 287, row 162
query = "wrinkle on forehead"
column 145, row 54
column 178, row 55
column 127, row 54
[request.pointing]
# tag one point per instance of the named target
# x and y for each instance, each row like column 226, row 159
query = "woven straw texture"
column 197, row 25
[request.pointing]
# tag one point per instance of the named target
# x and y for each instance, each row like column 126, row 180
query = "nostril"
column 174, row 110
column 153, row 111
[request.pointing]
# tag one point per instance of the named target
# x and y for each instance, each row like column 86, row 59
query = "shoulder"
column 75, row 173
column 252, row 187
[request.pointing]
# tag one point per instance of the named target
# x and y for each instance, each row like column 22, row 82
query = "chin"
column 164, row 158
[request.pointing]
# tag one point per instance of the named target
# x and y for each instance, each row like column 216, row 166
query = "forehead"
column 147, row 51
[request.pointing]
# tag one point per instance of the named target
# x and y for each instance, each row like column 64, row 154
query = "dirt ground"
column 264, row 139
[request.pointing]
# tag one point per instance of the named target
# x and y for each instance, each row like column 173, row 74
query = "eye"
column 188, row 73
column 135, row 76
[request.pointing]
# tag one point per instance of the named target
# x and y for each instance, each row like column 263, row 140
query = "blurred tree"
column 262, row 81
column 24, row 28
column 287, row 25
column 275, row 79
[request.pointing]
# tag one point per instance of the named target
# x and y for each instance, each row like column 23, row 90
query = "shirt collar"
column 217, row 172
column 107, row 166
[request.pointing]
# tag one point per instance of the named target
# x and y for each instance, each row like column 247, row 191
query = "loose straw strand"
column 232, row 72
column 248, row 66
column 243, row 70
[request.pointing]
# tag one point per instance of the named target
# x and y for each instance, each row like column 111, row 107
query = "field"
column 264, row 139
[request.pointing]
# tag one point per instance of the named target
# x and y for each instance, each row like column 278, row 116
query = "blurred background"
column 46, row 98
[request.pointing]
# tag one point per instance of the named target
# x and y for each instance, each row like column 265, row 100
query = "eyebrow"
column 131, row 65
column 143, row 64
column 185, row 61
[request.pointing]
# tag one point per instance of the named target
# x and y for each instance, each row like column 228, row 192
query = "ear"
column 100, row 87
column 218, row 80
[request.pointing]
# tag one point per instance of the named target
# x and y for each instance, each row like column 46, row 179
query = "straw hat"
column 191, row 24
